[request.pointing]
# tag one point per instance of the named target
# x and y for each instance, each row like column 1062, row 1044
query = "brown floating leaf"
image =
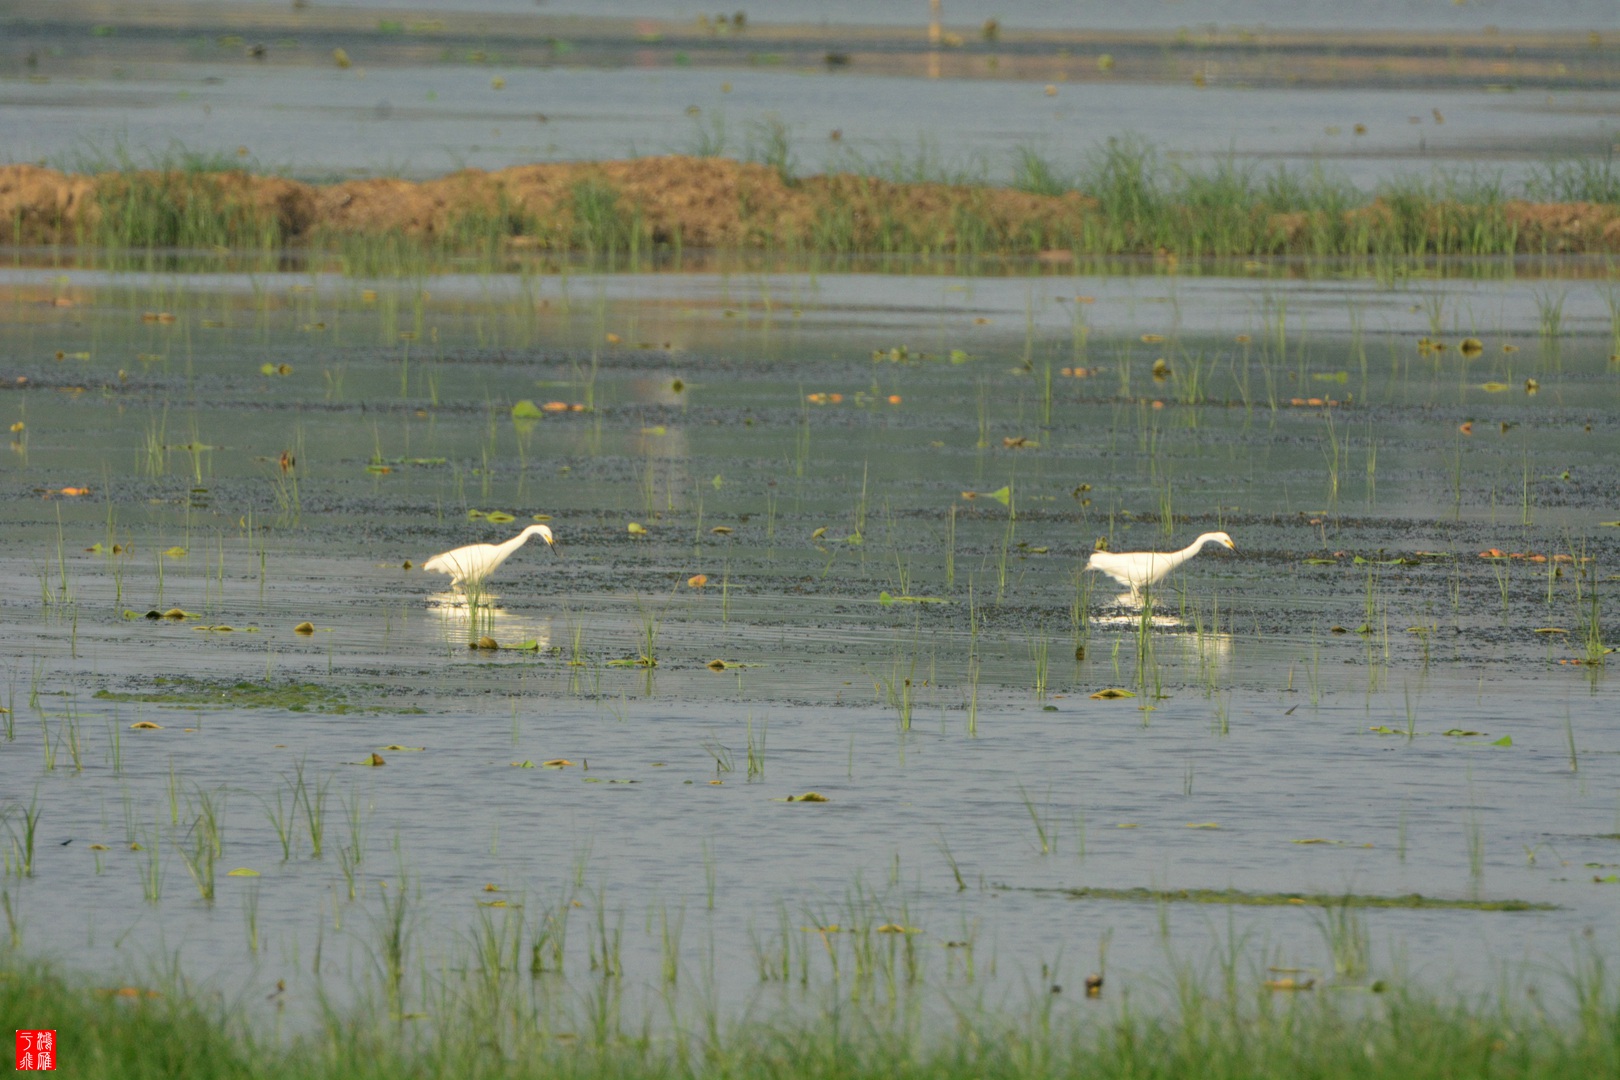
column 1111, row 693
column 1094, row 985
column 1290, row 984
column 376, row 759
column 716, row 665
column 697, row 581
column 485, row 642
column 304, row 628
column 809, row 796
column 146, row 725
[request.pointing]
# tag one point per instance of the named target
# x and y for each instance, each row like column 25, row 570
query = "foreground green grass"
column 1264, row 1034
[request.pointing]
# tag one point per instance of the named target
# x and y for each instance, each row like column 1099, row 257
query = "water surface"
column 816, row 446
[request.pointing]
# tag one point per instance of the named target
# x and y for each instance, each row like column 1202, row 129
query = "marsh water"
column 821, row 529
column 889, row 484
column 492, row 85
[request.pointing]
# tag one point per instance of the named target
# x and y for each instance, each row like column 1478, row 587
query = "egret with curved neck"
column 1139, row 569
column 475, row 562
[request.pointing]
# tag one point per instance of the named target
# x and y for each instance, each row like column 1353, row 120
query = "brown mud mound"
column 43, row 206
column 716, row 203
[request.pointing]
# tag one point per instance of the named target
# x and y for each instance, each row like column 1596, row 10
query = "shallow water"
column 1393, row 14
column 962, row 724
column 78, row 93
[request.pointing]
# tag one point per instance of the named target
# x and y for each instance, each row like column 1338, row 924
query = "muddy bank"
column 680, row 202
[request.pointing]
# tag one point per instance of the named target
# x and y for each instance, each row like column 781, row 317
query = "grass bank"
column 1122, row 199
column 127, row 1032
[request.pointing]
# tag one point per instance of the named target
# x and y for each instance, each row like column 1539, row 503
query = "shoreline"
column 1128, row 205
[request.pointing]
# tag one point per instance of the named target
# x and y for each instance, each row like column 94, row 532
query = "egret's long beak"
column 552, row 544
column 1229, row 545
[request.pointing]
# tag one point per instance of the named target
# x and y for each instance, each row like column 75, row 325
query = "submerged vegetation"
column 1123, row 198
column 1240, row 898
column 182, row 691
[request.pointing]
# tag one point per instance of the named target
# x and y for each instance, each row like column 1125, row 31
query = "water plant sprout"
column 1138, row 569
column 475, row 562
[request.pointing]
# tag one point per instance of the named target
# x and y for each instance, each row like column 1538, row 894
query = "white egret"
column 1139, row 569
column 475, row 562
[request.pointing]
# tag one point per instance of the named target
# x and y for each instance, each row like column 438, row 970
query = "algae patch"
column 185, row 692
column 1408, row 901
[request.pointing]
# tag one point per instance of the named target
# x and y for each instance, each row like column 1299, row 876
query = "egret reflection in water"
column 469, row 615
